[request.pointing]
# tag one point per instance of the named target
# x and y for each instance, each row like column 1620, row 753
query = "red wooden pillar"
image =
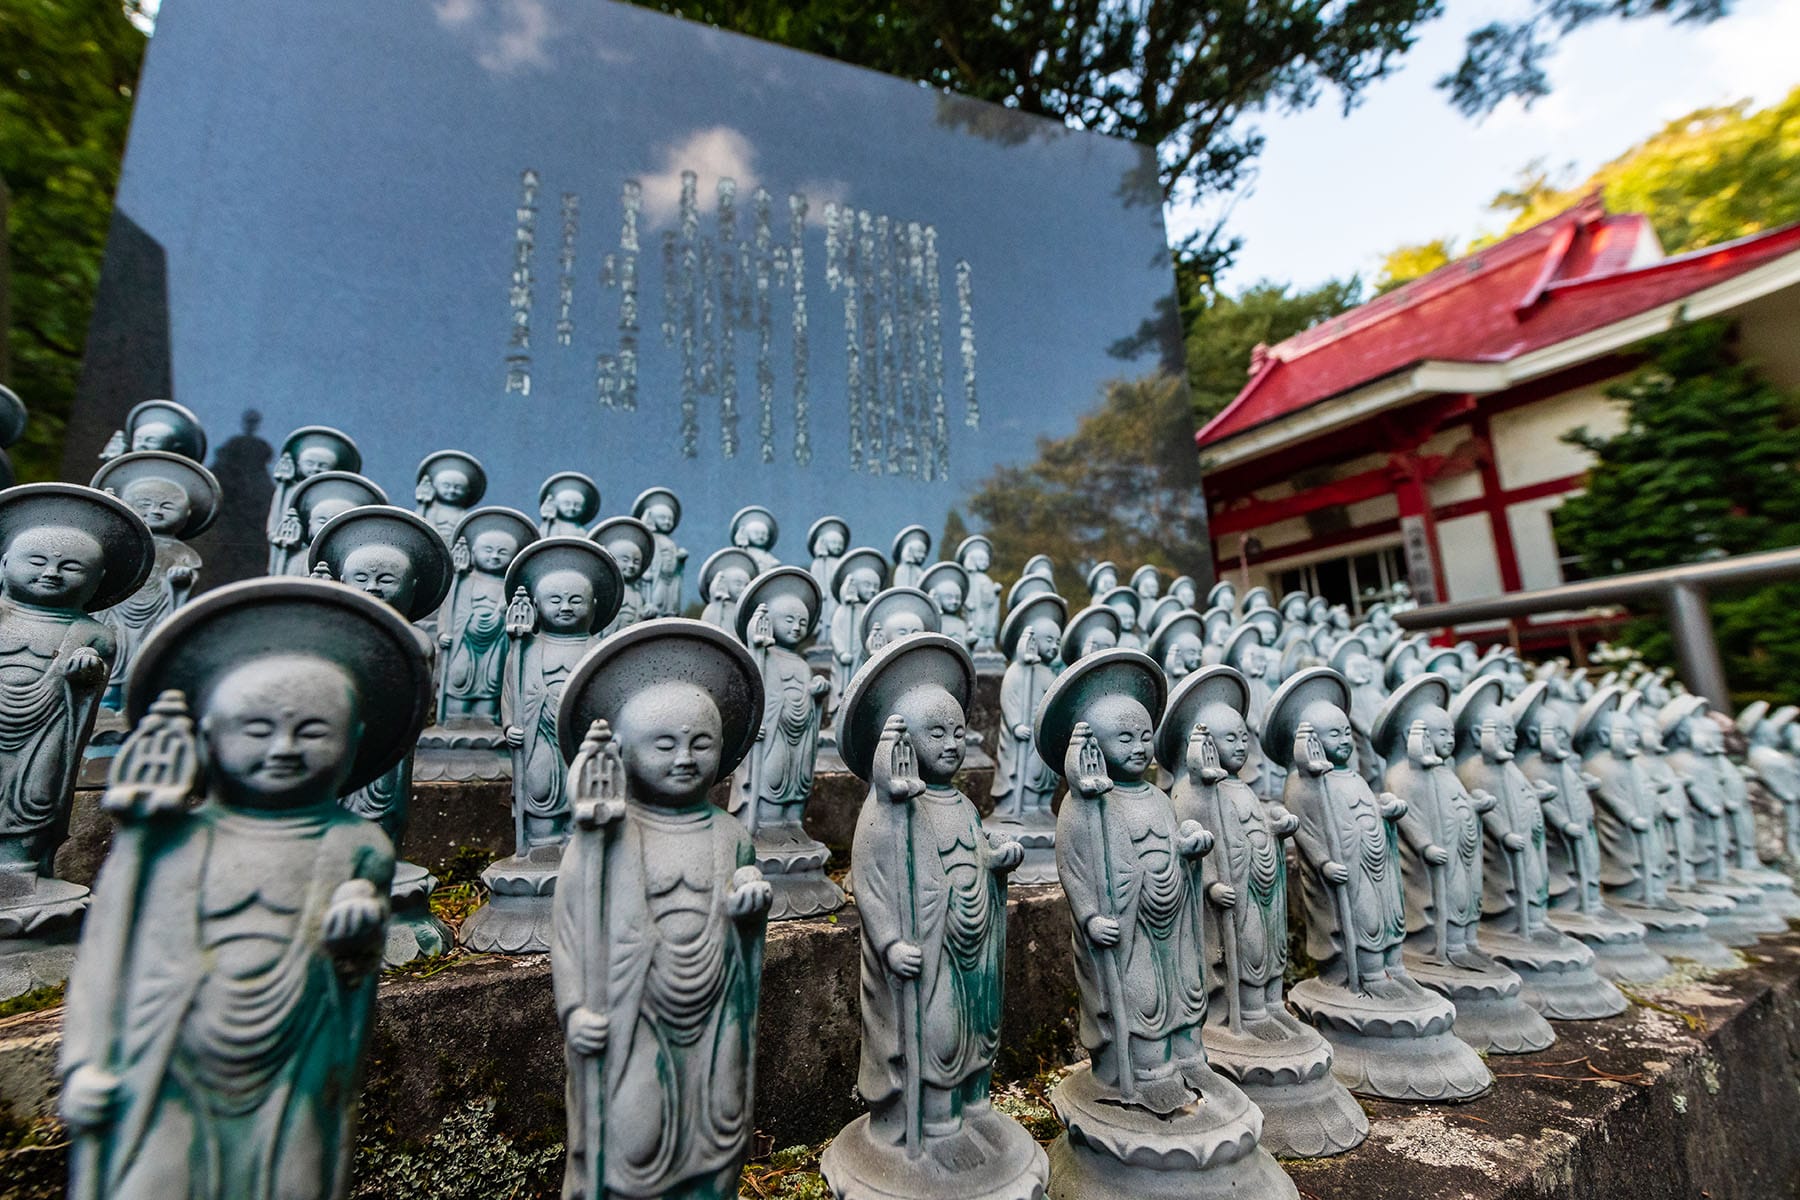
column 1495, row 502
column 1418, row 529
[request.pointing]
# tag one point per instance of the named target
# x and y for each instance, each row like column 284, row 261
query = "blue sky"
column 1333, row 193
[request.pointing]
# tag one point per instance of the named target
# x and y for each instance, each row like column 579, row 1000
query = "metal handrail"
column 1682, row 591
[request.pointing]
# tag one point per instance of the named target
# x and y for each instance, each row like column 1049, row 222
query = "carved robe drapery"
column 1339, row 821
column 44, row 721
column 1248, row 857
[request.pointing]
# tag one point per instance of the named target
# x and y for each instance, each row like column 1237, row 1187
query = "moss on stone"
column 36, row 1000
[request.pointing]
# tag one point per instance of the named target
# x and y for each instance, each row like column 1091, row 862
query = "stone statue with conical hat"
column 931, row 894
column 449, row 484
column 660, row 509
column 1281, row 1063
column 1444, row 870
column 755, row 531
column 1556, row 970
column 213, row 1036
column 947, row 583
column 1089, row 631
column 1572, row 850
column 178, row 499
column 1246, row 652
column 912, row 546
column 568, row 502
column 1633, row 854
column 723, row 577
column 1024, row 785
column 770, row 791
column 307, row 451
column 1351, row 657
column 1390, row 1038
column 1145, row 1114
column 562, row 591
column 65, row 552
column 472, row 628
column 1772, row 761
column 158, row 425
column 399, row 559
column 1694, row 853
column 1178, row 643
column 1696, row 753
column 897, row 612
column 861, row 576
column 660, row 915
column 976, row 554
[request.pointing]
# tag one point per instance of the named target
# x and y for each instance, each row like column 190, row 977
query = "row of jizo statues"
column 1477, row 851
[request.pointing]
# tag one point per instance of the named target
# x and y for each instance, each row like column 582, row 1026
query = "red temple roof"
column 1580, row 270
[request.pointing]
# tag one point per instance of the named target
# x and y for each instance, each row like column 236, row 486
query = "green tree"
column 65, row 102
column 1705, row 467
column 1125, row 486
column 1223, row 331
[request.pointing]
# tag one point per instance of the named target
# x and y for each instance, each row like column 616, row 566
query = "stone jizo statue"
column 1178, row 645
column 632, row 545
column 1444, row 870
column 178, row 499
column 723, row 577
column 1026, row 586
column 1773, row 761
column 976, row 554
column 912, row 546
column 213, row 1036
column 159, row 425
column 66, row 552
column 1145, row 1109
column 1093, row 629
column 472, row 629
column 1223, row 594
column 1102, row 578
column 450, row 483
column 947, row 583
column 1024, row 784
column 755, row 531
column 1185, row 590
column 826, row 541
column 660, row 915
column 896, row 613
column 568, row 502
column 308, row 451
column 861, row 576
column 931, row 892
column 770, row 790
column 1040, row 564
column 312, row 502
column 1281, row 1063
column 1389, row 1036
column 660, row 509
column 563, row 592
column 1146, row 581
column 1572, row 850
column 394, row 556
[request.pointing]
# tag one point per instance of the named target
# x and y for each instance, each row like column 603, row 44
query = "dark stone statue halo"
column 626, row 529
column 1082, row 624
column 1182, row 621
column 650, row 496
column 1348, row 645
column 349, row 455
column 332, row 485
column 720, row 560
column 1479, row 699
column 1115, row 672
column 863, row 558
column 1402, row 708
column 12, row 417
column 937, row 572
column 471, row 466
column 386, row 525
column 1240, row 638
column 1288, row 706
column 656, row 652
column 911, row 531
column 756, row 510
column 495, row 518
column 190, row 435
column 782, row 581
column 894, row 601
column 203, row 492
column 547, row 555
column 1121, row 597
column 1039, row 564
column 1095, row 571
column 590, row 492
column 1045, row 606
column 1402, row 657
column 128, row 550
column 1166, row 608
column 1210, row 685
column 821, row 525
column 969, row 543
column 873, row 693
column 265, row 618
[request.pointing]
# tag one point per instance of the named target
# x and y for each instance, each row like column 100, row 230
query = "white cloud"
column 720, row 152
column 507, row 34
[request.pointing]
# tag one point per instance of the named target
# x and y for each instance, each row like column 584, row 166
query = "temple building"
column 1413, row 444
